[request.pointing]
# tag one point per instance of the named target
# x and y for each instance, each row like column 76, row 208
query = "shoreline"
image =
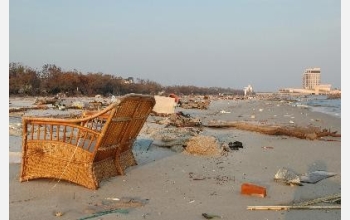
column 163, row 186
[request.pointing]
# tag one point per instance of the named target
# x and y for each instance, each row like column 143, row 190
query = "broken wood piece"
column 289, row 207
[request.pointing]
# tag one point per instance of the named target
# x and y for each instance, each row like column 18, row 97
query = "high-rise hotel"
column 312, row 78
column 311, row 84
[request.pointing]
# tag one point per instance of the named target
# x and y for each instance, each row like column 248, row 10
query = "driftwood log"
column 310, row 133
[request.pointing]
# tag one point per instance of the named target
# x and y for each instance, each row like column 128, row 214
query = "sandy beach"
column 168, row 184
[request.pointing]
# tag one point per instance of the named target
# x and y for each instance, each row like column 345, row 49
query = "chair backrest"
column 123, row 124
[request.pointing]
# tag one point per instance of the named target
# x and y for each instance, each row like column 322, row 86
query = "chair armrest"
column 69, row 131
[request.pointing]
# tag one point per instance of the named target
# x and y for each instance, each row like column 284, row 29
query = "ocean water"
column 320, row 103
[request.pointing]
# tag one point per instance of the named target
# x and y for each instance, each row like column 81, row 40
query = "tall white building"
column 312, row 78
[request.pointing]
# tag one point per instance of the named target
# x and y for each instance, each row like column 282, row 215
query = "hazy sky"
column 265, row 43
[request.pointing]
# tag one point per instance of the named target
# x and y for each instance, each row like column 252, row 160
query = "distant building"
column 311, row 83
column 248, row 90
column 129, row 80
column 311, row 78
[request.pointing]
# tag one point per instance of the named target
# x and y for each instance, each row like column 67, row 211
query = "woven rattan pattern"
column 87, row 150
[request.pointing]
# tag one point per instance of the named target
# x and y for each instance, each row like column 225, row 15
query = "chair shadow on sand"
column 146, row 153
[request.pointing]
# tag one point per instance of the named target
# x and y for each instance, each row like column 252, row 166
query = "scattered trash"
column 235, row 145
column 78, row 104
column 181, row 119
column 335, row 198
column 210, row 216
column 267, row 147
column 316, row 176
column 177, row 98
column 289, row 177
column 115, row 199
column 101, row 213
column 253, row 190
column 114, row 99
column 195, row 102
column 289, row 207
column 224, row 112
column 58, row 214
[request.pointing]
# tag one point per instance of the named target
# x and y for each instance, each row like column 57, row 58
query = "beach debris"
column 78, row 105
column 180, row 119
column 235, row 145
column 62, row 107
column 309, row 132
column 114, row 199
column 164, row 106
column 95, row 105
column 45, row 101
column 225, row 148
column 219, row 179
column 253, row 190
column 210, row 216
column 203, row 146
column 334, row 198
column 197, row 102
column 177, row 98
column 172, row 137
column 267, row 147
column 23, row 109
column 15, row 129
column 224, row 112
column 289, row 207
column 309, row 204
column 316, row 176
column 58, row 213
column 101, row 213
column 116, row 205
column 113, row 99
column 289, row 177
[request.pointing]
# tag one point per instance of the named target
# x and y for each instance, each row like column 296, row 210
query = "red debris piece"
column 177, row 98
column 253, row 190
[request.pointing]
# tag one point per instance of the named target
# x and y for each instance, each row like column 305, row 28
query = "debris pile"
column 180, row 119
column 203, row 146
column 195, row 102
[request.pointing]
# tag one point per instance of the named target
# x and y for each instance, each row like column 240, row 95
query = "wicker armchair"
column 86, row 150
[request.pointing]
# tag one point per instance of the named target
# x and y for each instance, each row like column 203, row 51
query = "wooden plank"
column 287, row 207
